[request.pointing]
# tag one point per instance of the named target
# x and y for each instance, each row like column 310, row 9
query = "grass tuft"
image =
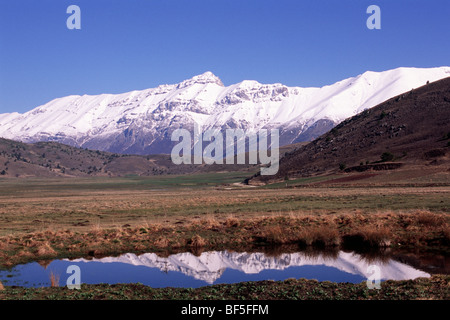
column 197, row 241
column 370, row 236
column 428, row 218
column 162, row 242
column 231, row 222
column 45, row 250
column 54, row 279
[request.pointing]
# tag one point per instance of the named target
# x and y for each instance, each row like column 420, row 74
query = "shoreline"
column 421, row 231
column 437, row 287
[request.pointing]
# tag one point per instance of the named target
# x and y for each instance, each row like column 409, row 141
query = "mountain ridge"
column 209, row 266
column 141, row 121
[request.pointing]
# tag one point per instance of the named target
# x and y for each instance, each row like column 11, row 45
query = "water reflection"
column 213, row 267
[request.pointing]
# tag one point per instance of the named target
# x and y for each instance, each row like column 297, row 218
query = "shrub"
column 429, row 219
column 334, row 131
column 325, row 236
column 369, row 236
column 274, row 234
column 197, row 241
column 231, row 222
column 387, row 156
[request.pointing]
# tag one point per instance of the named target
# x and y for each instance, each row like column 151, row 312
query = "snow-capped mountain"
column 209, row 266
column 141, row 122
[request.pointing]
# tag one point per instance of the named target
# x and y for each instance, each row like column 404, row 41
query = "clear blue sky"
column 126, row 45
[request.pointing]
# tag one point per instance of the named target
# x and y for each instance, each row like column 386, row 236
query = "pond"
column 212, row 267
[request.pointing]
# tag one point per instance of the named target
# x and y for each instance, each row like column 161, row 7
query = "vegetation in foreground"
column 436, row 288
column 44, row 220
column 419, row 230
column 81, row 205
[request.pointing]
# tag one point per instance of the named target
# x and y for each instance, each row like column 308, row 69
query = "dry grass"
column 156, row 227
column 209, row 223
column 446, row 233
column 145, row 224
column 288, row 231
column 369, row 230
column 45, row 249
column 231, row 222
column 197, row 241
column 84, row 210
column 324, row 236
column 24, row 254
column 54, row 279
column 412, row 228
column 274, row 235
column 162, row 242
column 4, row 243
column 428, row 218
column 370, row 236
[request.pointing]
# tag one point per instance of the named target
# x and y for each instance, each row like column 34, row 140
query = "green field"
column 28, row 205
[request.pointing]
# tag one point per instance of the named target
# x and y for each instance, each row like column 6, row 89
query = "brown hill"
column 51, row 159
column 408, row 130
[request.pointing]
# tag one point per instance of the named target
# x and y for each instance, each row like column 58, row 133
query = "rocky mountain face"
column 141, row 122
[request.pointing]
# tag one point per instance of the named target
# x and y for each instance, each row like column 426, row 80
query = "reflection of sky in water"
column 92, row 272
column 320, row 273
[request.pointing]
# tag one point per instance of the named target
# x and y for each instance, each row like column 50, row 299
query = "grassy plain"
column 32, row 205
column 44, row 219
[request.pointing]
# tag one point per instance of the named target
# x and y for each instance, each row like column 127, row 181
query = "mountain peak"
column 208, row 75
column 204, row 78
column 141, row 122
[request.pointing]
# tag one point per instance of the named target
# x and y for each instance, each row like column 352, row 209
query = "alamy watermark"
column 373, row 281
column 374, row 21
column 74, row 20
column 191, row 150
column 74, row 281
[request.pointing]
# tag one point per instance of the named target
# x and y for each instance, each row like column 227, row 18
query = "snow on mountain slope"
column 209, row 266
column 141, row 122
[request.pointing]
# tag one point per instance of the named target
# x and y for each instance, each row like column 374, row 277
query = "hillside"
column 52, row 159
column 409, row 130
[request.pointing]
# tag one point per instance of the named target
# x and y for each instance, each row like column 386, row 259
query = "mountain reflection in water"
column 213, row 267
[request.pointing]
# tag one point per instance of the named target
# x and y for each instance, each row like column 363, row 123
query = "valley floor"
column 44, row 219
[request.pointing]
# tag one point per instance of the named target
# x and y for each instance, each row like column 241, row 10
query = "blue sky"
column 126, row 45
